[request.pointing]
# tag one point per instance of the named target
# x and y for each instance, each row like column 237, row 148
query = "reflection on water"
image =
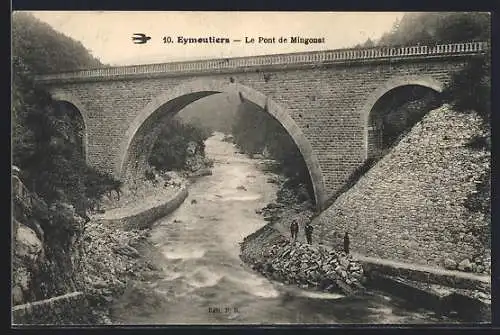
column 205, row 282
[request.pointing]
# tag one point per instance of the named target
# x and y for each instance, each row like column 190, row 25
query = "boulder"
column 127, row 250
column 465, row 265
column 273, row 180
column 28, row 245
column 201, row 172
column 344, row 262
column 450, row 264
column 21, row 281
column 272, row 205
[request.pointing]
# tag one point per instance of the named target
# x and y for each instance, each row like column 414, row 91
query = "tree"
column 470, row 89
column 46, row 136
column 438, row 28
column 170, row 150
column 46, row 145
column 46, row 50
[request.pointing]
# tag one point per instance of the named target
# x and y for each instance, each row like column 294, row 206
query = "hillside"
column 410, row 205
column 43, row 49
column 216, row 112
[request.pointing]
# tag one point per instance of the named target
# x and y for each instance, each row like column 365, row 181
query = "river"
column 203, row 281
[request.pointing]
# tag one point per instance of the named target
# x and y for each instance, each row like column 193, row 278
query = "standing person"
column 294, row 229
column 346, row 243
column 308, row 230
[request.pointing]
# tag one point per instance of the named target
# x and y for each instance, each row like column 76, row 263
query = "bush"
column 469, row 90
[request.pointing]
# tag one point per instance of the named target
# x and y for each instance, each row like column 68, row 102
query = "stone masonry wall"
column 325, row 101
column 143, row 219
column 409, row 206
column 66, row 309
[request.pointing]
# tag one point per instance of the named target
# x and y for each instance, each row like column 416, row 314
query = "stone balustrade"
column 291, row 59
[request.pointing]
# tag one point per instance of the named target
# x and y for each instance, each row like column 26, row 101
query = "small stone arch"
column 389, row 85
column 186, row 93
column 65, row 97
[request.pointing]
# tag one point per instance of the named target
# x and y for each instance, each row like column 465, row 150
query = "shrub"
column 469, row 90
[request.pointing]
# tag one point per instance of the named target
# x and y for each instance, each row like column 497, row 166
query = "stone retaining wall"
column 70, row 308
column 146, row 218
column 453, row 279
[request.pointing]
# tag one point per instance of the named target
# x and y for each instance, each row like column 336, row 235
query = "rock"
column 127, row 251
column 201, row 173
column 272, row 180
column 27, row 244
column 465, row 265
column 100, row 284
column 302, row 264
column 272, row 205
column 344, row 262
column 241, row 187
column 450, row 264
column 17, row 295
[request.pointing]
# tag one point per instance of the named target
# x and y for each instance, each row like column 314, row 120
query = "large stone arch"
column 65, row 97
column 389, row 85
column 184, row 94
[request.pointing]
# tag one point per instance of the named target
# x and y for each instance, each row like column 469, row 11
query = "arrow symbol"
column 140, row 38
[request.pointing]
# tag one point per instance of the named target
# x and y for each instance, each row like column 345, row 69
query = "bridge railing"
column 329, row 56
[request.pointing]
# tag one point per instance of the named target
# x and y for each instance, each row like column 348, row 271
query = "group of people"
column 308, row 230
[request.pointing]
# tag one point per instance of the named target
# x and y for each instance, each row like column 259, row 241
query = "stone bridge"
column 325, row 100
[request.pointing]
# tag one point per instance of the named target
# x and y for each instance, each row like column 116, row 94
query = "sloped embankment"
column 410, row 206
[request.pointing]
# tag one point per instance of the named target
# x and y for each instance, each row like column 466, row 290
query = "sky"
column 108, row 35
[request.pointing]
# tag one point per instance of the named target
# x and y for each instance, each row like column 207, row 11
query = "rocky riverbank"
column 272, row 254
column 104, row 259
column 112, row 259
column 269, row 252
column 116, row 258
column 309, row 267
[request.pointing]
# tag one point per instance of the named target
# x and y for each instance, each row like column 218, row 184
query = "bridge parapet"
column 265, row 61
